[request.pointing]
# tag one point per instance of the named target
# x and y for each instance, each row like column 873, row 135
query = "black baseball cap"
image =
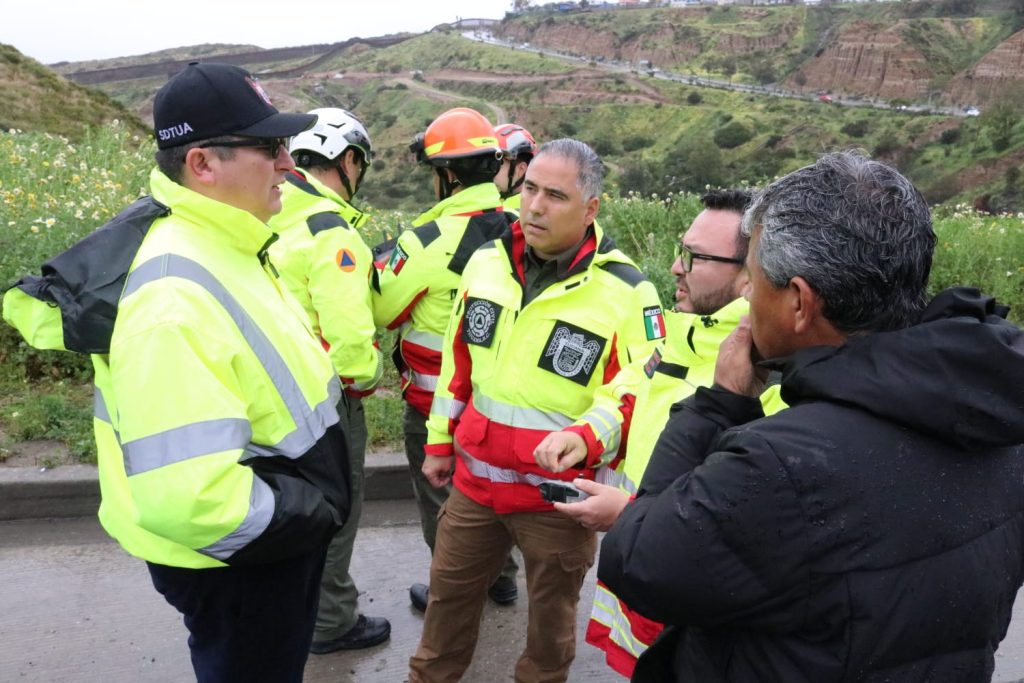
column 208, row 99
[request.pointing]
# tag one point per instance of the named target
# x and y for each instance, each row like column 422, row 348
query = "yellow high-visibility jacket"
column 217, row 434
column 512, row 373
column 327, row 267
column 416, row 288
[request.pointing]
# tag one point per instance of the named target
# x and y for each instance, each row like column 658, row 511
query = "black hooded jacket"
column 873, row 531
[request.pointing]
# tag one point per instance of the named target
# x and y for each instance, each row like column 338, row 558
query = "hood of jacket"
column 957, row 375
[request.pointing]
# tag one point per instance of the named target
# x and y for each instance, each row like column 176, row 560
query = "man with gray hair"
column 532, row 337
column 874, row 530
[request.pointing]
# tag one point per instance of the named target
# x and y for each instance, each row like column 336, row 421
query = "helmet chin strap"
column 345, row 179
column 512, row 185
column 445, row 186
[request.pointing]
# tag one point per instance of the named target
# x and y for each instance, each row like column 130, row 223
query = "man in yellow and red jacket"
column 415, row 288
column 545, row 316
column 710, row 282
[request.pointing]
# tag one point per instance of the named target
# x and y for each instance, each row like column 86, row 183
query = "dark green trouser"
column 429, row 499
column 339, row 606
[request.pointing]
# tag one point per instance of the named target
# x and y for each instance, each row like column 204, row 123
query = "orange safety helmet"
column 515, row 141
column 456, row 134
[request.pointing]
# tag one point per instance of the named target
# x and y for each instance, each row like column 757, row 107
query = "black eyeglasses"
column 687, row 256
column 271, row 146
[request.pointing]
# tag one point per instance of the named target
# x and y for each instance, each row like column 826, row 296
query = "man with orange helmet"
column 416, row 284
column 517, row 150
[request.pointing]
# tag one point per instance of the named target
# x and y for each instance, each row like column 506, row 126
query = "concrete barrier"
column 74, row 490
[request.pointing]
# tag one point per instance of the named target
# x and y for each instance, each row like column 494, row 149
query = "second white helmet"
column 335, row 131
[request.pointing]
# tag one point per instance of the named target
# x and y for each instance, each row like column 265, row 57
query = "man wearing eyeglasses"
column 710, row 283
column 221, row 459
column 873, row 530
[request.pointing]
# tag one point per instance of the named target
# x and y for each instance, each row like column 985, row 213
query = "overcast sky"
column 75, row 30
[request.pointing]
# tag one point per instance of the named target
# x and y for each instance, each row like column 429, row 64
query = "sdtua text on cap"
column 174, row 131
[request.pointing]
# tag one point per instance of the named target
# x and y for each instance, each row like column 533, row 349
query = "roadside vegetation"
column 54, row 191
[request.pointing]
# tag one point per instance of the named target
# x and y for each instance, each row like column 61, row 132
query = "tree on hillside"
column 1001, row 116
column 692, row 165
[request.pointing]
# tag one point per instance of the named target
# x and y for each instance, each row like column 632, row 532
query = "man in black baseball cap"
column 227, row 469
column 221, row 459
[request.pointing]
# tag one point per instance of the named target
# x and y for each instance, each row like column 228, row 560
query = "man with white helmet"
column 517, row 150
column 326, row 265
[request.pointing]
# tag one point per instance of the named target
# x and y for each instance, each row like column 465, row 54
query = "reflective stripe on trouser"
column 212, row 436
column 606, row 611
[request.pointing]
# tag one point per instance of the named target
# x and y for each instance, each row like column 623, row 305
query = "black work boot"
column 367, row 632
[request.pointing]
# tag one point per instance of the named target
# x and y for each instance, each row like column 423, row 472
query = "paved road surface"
column 75, row 608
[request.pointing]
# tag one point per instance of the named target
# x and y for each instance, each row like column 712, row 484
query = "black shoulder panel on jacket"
column 326, row 220
column 631, row 275
column 303, row 184
column 480, row 230
column 427, row 233
column 86, row 280
column 607, row 244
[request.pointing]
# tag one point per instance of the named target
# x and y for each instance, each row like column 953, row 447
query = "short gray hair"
column 590, row 178
column 857, row 231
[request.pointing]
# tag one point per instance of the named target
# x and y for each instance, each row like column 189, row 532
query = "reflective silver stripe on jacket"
column 450, row 408
column 610, row 477
column 192, row 440
column 518, row 416
column 99, row 406
column 185, row 442
column 428, row 340
column 425, row 382
column 261, row 510
column 606, row 611
column 495, row 474
column 608, row 432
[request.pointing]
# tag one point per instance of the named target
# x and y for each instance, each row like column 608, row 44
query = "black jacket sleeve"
column 692, row 426
column 723, row 542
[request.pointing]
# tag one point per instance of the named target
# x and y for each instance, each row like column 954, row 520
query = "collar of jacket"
column 701, row 335
column 958, row 375
column 469, row 200
column 221, row 222
column 594, row 247
column 309, row 184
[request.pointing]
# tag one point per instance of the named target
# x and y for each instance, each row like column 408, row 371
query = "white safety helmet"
column 335, row 131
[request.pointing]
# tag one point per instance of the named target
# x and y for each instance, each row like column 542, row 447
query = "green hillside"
column 35, row 98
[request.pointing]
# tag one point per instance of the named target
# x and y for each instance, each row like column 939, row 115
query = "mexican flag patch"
column 654, row 323
column 398, row 258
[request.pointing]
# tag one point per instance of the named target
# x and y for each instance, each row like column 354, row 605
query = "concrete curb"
column 74, row 490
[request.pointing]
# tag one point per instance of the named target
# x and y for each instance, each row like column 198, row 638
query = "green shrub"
column 631, row 143
column 856, row 129
column 950, row 136
column 694, row 97
column 733, row 134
